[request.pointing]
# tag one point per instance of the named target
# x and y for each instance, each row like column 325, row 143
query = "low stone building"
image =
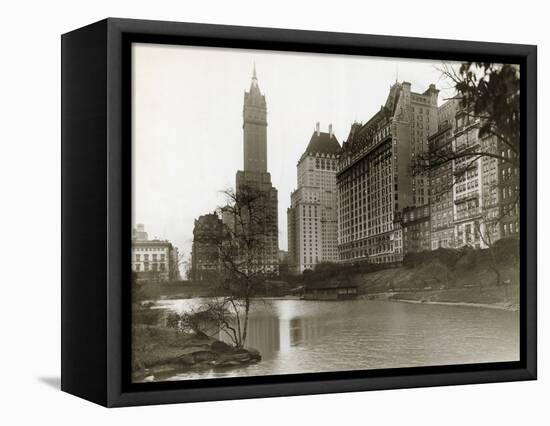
column 153, row 260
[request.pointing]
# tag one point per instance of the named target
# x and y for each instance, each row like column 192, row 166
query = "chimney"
column 330, row 130
column 318, row 129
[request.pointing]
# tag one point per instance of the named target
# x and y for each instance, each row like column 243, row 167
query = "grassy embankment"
column 475, row 287
column 463, row 276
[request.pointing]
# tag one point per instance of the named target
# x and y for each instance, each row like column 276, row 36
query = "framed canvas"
column 255, row 212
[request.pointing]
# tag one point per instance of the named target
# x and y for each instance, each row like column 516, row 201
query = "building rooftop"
column 361, row 134
column 154, row 242
column 329, row 285
column 323, row 143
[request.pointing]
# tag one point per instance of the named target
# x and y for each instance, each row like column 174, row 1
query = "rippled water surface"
column 296, row 336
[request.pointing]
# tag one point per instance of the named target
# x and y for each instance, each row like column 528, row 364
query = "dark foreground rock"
column 159, row 350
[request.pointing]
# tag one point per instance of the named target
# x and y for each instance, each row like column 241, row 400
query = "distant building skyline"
column 187, row 131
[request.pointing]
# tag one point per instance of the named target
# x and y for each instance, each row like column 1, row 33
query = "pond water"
column 297, row 336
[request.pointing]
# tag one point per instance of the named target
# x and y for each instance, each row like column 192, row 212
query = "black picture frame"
column 96, row 208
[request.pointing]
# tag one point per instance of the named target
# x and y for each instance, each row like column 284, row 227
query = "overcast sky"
column 187, row 121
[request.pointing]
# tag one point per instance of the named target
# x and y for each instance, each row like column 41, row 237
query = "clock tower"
column 255, row 128
column 255, row 176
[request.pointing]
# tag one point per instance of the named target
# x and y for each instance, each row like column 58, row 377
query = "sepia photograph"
column 308, row 212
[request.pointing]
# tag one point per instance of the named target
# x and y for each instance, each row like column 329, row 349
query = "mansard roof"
column 323, row 143
column 360, row 133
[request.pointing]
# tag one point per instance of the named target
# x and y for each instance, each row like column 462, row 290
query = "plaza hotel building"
column 375, row 180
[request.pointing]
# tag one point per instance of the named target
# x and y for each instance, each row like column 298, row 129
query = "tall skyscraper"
column 312, row 216
column 375, row 179
column 255, row 128
column 255, row 176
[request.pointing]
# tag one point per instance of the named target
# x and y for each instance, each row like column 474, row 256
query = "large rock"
column 254, row 354
column 205, row 356
column 185, row 359
column 237, row 357
column 190, row 350
column 222, row 347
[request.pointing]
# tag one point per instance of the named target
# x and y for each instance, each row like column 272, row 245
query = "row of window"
column 137, row 248
column 154, row 257
column 154, row 267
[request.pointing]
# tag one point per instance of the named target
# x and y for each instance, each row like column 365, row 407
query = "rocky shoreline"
column 162, row 351
column 436, row 300
column 498, row 306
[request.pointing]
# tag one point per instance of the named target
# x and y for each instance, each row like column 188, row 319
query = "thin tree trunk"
column 495, row 266
column 245, row 326
column 237, row 316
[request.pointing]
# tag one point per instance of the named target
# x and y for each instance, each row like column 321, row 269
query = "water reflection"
column 296, row 336
column 264, row 333
column 272, row 334
column 306, row 330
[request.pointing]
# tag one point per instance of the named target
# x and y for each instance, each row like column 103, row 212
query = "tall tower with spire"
column 255, row 128
column 255, row 176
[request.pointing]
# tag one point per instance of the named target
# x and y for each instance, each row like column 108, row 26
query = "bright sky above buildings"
column 187, row 121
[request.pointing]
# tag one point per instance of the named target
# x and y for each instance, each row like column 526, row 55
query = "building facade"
column 153, row 260
column 375, row 181
column 508, row 191
column 255, row 176
column 473, row 197
column 416, row 229
column 205, row 257
column 467, row 189
column 487, row 196
column 312, row 216
column 442, row 179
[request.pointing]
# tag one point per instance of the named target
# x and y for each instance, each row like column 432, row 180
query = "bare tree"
column 486, row 229
column 488, row 125
column 490, row 93
column 483, row 134
column 248, row 221
column 209, row 318
column 488, row 225
column 243, row 246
